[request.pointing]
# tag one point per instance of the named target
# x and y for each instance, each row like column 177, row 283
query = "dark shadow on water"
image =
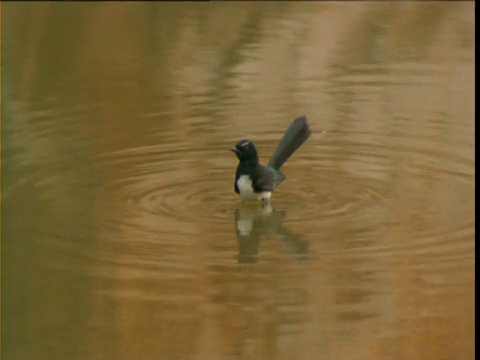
column 253, row 221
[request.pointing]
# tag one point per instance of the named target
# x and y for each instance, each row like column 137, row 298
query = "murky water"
column 122, row 237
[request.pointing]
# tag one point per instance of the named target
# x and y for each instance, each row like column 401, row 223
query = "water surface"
column 122, row 237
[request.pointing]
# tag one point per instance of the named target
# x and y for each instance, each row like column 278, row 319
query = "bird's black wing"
column 263, row 179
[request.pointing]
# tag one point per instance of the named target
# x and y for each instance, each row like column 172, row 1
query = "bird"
column 254, row 181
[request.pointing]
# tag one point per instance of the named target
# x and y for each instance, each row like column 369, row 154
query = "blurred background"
column 122, row 237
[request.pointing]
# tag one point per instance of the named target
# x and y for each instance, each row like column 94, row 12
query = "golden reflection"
column 122, row 238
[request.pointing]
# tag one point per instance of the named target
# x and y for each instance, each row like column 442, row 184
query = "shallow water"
column 122, row 237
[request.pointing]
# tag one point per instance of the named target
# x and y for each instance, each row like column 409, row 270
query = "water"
column 122, row 237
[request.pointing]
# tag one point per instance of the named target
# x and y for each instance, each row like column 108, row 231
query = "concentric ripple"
column 167, row 188
column 178, row 188
column 389, row 198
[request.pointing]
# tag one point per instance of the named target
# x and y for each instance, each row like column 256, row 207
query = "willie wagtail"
column 254, row 181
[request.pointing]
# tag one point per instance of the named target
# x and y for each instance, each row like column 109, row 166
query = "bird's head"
column 245, row 150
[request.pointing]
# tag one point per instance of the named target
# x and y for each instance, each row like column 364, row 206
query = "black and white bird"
column 254, row 181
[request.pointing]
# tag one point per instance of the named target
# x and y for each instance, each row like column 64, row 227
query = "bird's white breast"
column 244, row 185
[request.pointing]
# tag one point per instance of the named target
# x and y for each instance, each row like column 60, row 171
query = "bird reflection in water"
column 253, row 221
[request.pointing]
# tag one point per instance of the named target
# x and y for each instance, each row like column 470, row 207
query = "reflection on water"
column 254, row 222
column 123, row 239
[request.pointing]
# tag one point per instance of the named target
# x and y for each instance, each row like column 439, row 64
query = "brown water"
column 122, row 237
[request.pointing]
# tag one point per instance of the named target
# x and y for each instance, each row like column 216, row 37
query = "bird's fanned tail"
column 296, row 134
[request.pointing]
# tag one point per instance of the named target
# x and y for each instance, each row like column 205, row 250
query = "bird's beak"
column 234, row 149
